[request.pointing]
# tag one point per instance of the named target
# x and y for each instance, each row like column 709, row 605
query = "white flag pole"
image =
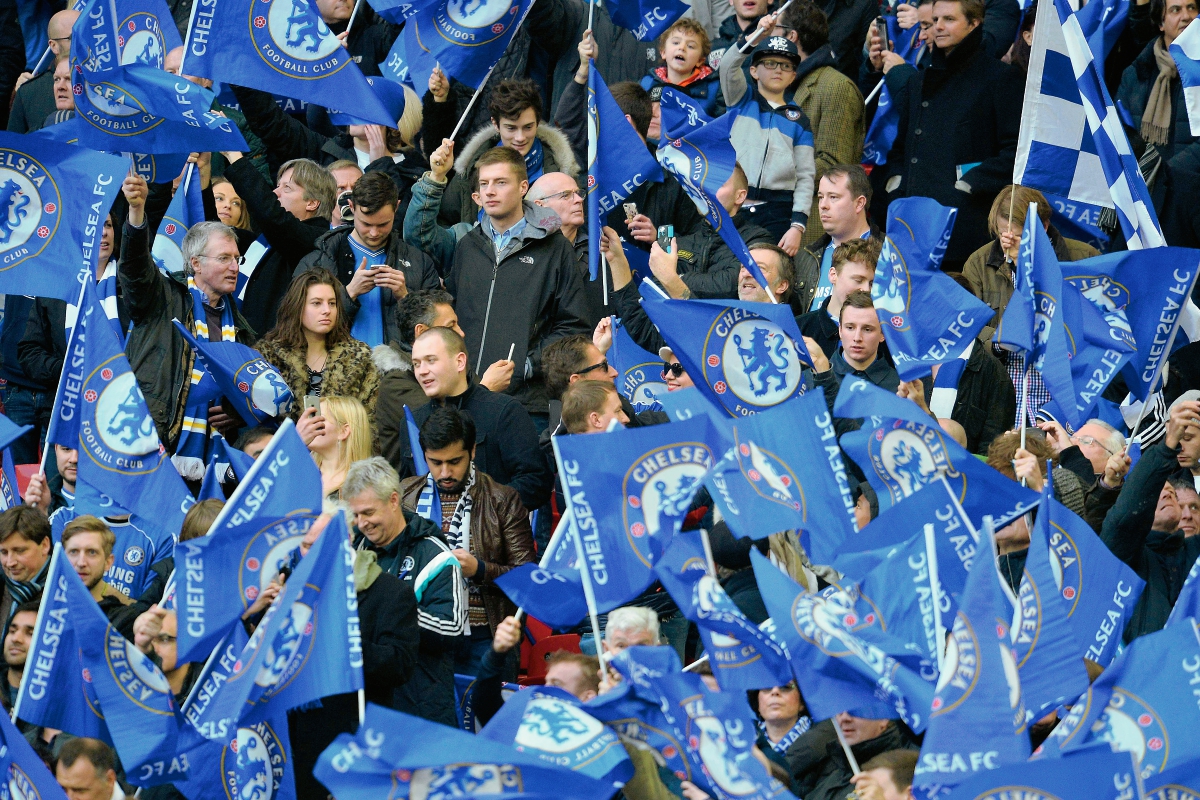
column 935, row 586
column 555, row 538
column 37, row 627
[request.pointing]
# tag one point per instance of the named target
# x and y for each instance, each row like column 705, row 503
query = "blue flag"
column 926, row 317
column 839, row 665
column 548, row 722
column 1188, row 602
column 1048, row 649
column 641, row 720
column 1095, row 774
column 389, row 93
column 1019, row 329
column 254, row 535
column 1143, row 291
column 1102, row 24
column 786, row 473
column 146, row 32
column 552, row 594
column 57, row 198
column 1176, row 783
column 901, row 449
column 135, row 698
column 257, row 758
column 397, row 755
column 226, row 464
column 977, row 720
column 618, row 162
column 186, row 209
column 283, row 47
column 744, row 357
column 885, row 126
column 307, row 646
column 628, row 492
column 647, row 19
column 702, row 160
column 906, row 43
column 9, row 433
column 716, row 728
column 639, row 372
column 22, row 771
column 53, row 691
column 396, row 11
column 414, row 440
column 257, row 391
column 154, row 168
column 680, row 114
column 742, row 656
column 1100, row 589
column 120, row 454
column 1151, row 710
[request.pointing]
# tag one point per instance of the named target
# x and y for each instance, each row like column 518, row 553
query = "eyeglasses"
column 1091, row 440
column 225, row 259
column 777, row 66
column 603, row 365
column 568, row 193
column 675, row 369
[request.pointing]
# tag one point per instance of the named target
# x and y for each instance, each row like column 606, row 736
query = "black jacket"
column 369, row 41
column 849, row 21
column 32, row 103
column 159, row 355
column 706, row 264
column 526, row 297
column 986, row 404
column 1162, row 560
column 332, row 251
column 821, row 328
column 506, row 441
column 833, row 781
column 42, row 348
column 290, row 239
column 959, row 111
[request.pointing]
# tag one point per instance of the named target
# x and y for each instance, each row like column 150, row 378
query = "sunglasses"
column 674, row 368
column 603, row 365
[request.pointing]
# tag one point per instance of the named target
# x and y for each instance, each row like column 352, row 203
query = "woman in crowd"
column 344, row 439
column 787, row 735
column 230, row 208
column 312, row 348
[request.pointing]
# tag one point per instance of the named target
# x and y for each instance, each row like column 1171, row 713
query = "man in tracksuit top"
column 413, row 549
column 772, row 138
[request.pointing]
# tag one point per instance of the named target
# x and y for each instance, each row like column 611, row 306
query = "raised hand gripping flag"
column 680, row 114
column 639, row 372
column 223, row 573
column 977, row 720
column 839, row 665
column 1185, row 51
column 56, row 198
column 548, row 722
column 647, row 19
column 283, row 47
column 628, row 492
column 884, row 128
column 785, row 472
column 702, row 160
column 307, row 646
column 618, row 162
column 186, row 209
column 926, row 317
column 744, row 357
column 22, row 772
column 742, row 656
column 255, row 388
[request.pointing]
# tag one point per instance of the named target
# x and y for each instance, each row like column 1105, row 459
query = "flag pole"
column 353, row 14
column 188, row 39
column 874, row 92
column 591, row 13
column 753, row 38
column 474, row 97
column 38, row 67
column 708, row 556
column 555, row 538
column 187, row 177
column 585, row 573
column 37, row 626
column 854, row 769
column 935, row 586
column 701, row 660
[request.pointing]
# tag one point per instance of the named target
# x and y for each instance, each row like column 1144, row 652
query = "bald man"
column 34, row 100
column 558, row 192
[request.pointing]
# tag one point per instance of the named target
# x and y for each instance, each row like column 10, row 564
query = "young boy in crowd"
column 772, row 137
column 684, row 50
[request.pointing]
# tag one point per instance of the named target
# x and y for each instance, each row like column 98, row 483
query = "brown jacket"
column 500, row 537
column 349, row 372
column 991, row 277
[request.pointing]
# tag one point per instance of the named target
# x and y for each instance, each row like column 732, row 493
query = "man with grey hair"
column 413, row 549
column 1098, row 441
column 184, row 405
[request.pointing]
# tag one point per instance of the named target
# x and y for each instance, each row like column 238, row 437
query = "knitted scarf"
column 1156, row 119
column 191, row 454
column 429, row 506
column 20, row 591
column 795, row 732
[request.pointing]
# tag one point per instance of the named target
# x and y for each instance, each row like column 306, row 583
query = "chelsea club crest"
column 474, row 22
column 658, row 490
column 770, row 477
column 892, row 291
column 112, row 109
column 265, row 392
column 141, row 40
column 293, row 39
column 1132, row 724
column 30, row 208
column 906, row 456
column 136, row 676
column 642, row 384
column 119, row 434
column 750, row 362
column 266, row 552
column 252, row 765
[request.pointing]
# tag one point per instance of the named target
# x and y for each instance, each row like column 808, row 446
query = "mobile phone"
column 312, row 401
column 882, row 29
column 665, row 234
column 345, row 213
column 630, row 210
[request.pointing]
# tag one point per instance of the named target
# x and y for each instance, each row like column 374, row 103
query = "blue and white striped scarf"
column 191, row 454
column 106, row 290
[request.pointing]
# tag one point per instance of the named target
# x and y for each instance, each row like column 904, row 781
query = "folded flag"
column 618, row 162
column 702, row 160
column 742, row 656
column 186, row 209
column 389, row 93
column 906, row 42
column 647, row 19
column 1097, row 774
column 744, row 357
column 552, row 594
column 680, row 114
column 9, row 433
column 775, row 481
column 282, row 47
column 641, row 721
column 255, row 388
column 628, row 492
column 22, row 771
column 396, row 11
column 884, row 128
column 926, row 317
column 977, row 720
column 1185, row 51
column 226, row 464
column 548, row 722
column 839, row 666
column 639, row 372
column 1102, row 24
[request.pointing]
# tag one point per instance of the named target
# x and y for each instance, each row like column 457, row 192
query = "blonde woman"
column 344, row 438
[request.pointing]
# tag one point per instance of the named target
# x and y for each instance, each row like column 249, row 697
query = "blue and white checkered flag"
column 1186, row 52
column 1072, row 143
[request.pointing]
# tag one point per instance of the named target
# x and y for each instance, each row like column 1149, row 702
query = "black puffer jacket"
column 332, row 251
column 159, row 355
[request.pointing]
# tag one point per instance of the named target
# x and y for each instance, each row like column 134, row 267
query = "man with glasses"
column 184, row 402
column 560, row 193
column 34, row 99
column 582, row 358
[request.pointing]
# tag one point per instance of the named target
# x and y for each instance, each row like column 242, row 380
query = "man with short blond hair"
column 88, row 544
column 591, row 406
